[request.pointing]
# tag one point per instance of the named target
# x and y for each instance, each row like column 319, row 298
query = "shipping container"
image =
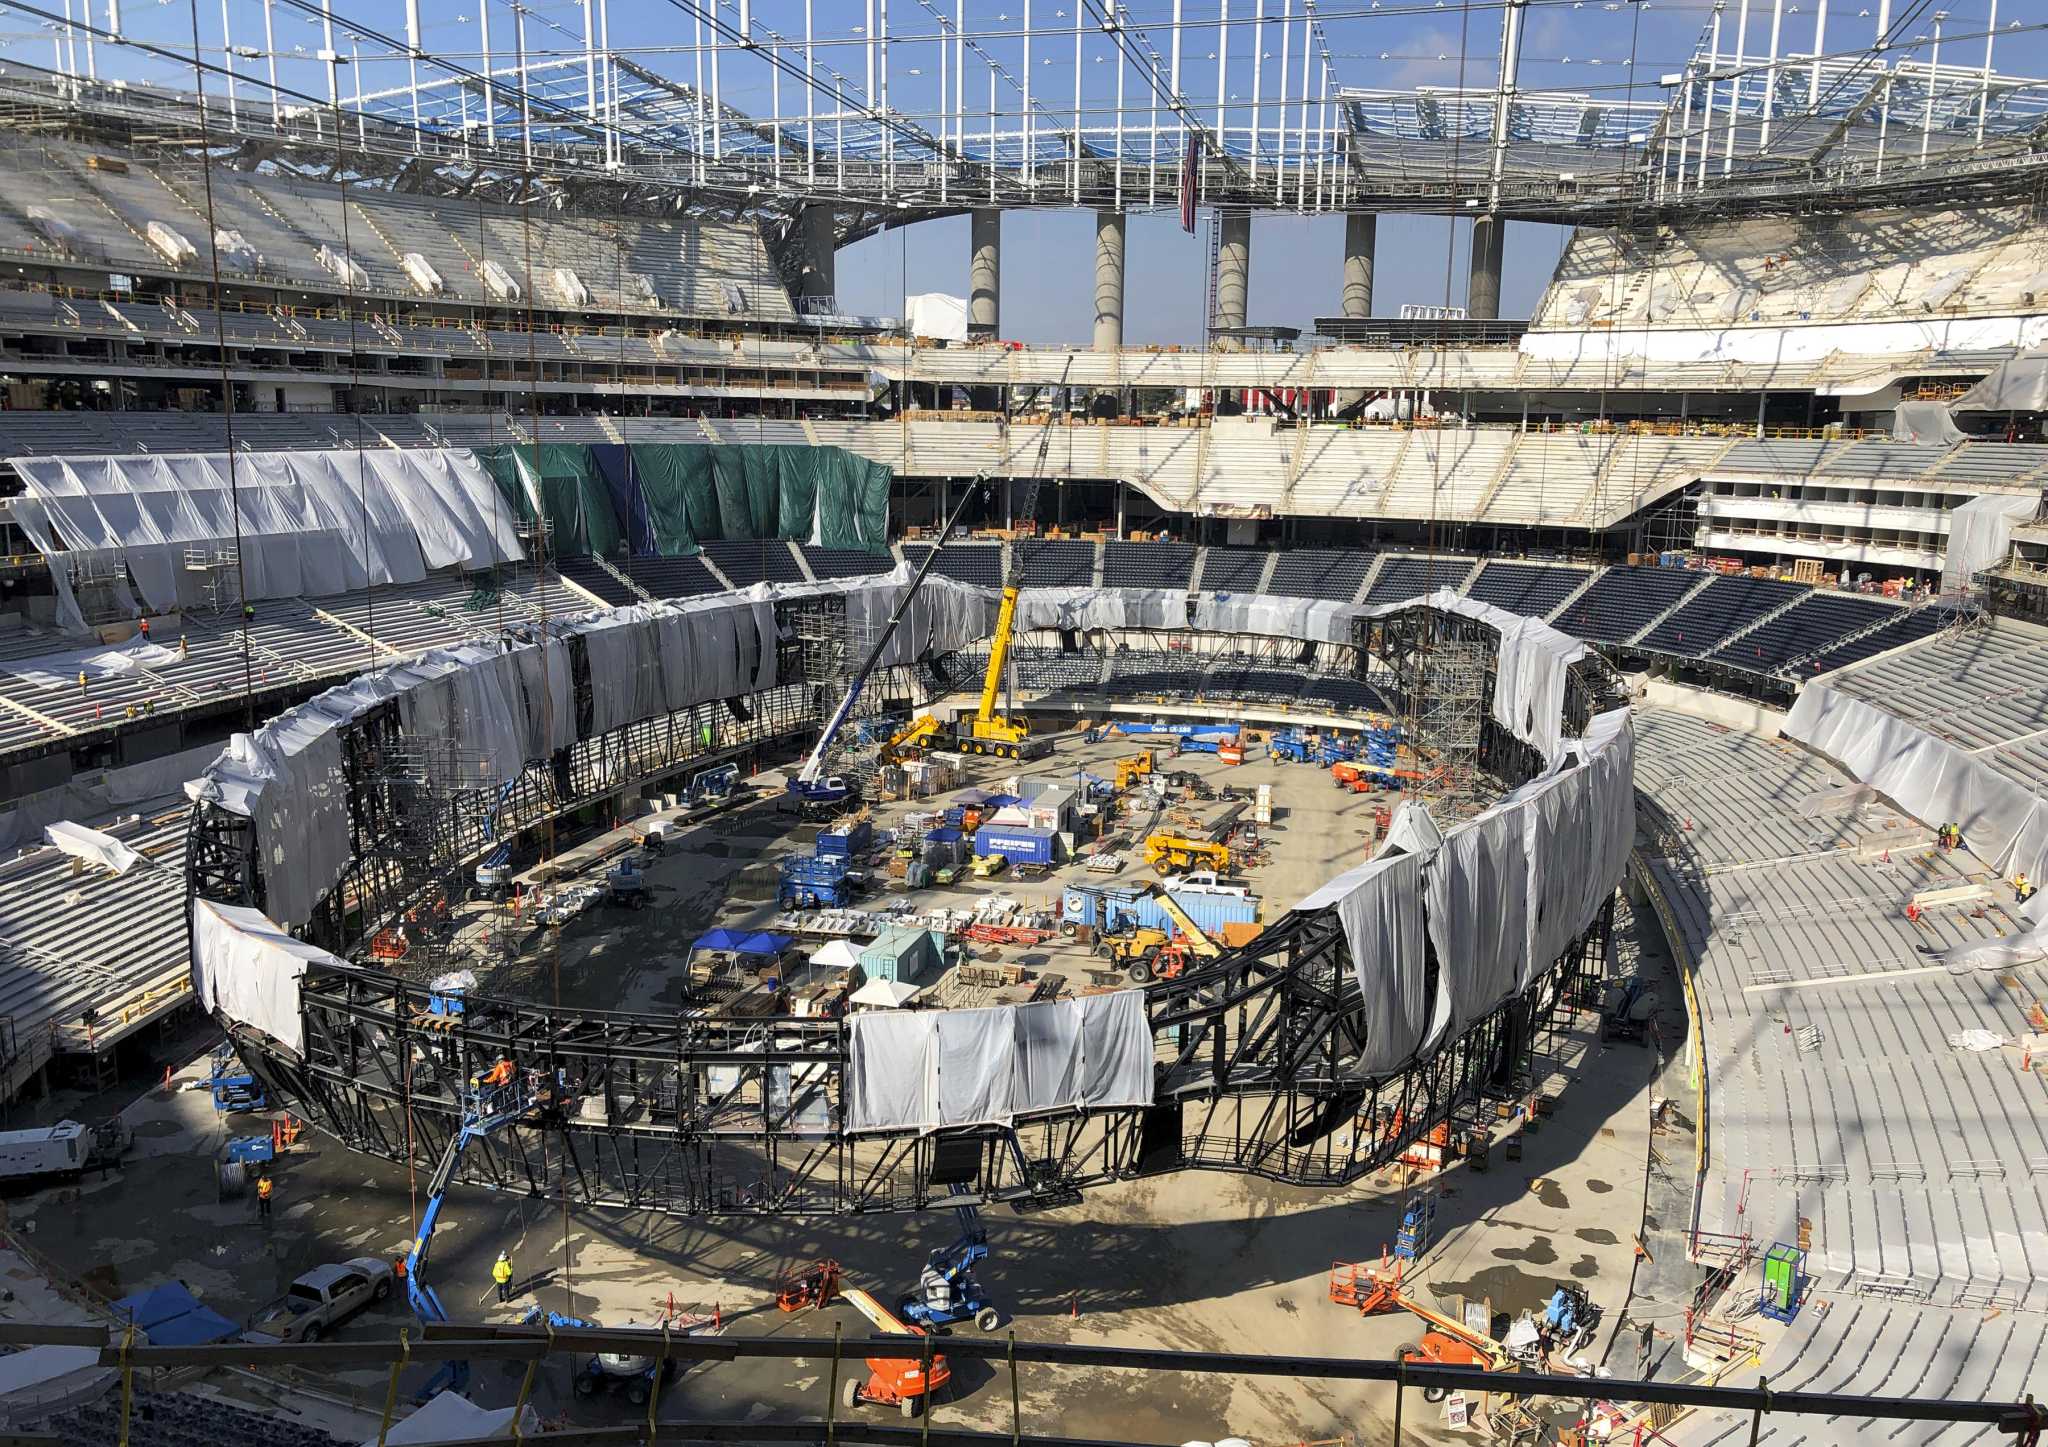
column 1021, row 846
column 903, row 955
column 1112, row 910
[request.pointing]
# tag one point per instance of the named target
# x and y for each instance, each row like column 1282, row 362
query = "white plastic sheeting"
column 946, row 615
column 1500, row 896
column 1266, row 613
column 1925, row 422
column 925, row 1070
column 1380, row 907
column 1930, row 778
column 936, row 315
column 1082, row 609
column 307, row 524
column 92, row 846
column 2018, row 385
column 1979, row 532
column 247, row 968
column 509, row 703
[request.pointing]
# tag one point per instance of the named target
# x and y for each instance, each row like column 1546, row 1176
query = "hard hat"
column 501, row 1256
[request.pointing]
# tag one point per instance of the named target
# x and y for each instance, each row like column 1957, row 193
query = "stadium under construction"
column 611, row 841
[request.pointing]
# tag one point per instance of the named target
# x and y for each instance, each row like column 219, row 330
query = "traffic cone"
column 1073, row 1306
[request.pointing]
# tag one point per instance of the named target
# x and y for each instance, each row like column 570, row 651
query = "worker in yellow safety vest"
column 263, row 1190
column 2022, row 890
column 501, row 1272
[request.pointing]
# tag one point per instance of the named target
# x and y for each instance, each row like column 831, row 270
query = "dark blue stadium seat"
column 671, row 577
column 1806, row 627
column 1413, row 575
column 1147, row 565
column 1726, row 605
column 1623, row 601
column 1056, row 562
column 751, row 561
column 1910, row 626
column 980, row 563
column 1233, row 570
column 846, row 562
column 593, row 579
column 1526, row 588
column 1318, row 573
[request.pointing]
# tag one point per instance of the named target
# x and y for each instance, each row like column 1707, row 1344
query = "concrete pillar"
column 1482, row 294
column 984, row 273
column 818, row 267
column 1109, row 280
column 1361, row 238
column 1234, row 268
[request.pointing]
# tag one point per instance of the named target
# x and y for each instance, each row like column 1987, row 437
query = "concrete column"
column 1234, row 268
column 818, row 267
column 1361, row 238
column 1109, row 280
column 1482, row 294
column 984, row 273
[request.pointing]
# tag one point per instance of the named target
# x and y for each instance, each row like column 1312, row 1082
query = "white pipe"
column 1820, row 48
column 1258, row 77
column 1707, row 121
column 589, row 65
column 483, row 30
column 991, row 136
column 1735, row 86
column 810, row 106
column 1030, row 168
column 1076, row 166
column 1119, row 183
column 1933, row 79
column 270, row 58
column 525, row 95
column 959, row 77
column 227, row 48
column 1763, row 137
column 326, row 43
column 1301, row 126
column 1222, row 64
column 1280, row 130
column 1984, row 86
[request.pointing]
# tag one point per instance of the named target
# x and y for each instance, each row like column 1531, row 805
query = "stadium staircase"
column 1592, row 576
column 1679, row 602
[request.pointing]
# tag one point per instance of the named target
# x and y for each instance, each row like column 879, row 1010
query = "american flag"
column 1188, row 175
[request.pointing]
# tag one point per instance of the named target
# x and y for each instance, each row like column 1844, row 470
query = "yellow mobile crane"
column 989, row 732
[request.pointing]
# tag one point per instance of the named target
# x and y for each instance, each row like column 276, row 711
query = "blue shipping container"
column 1020, row 846
column 855, row 838
column 1112, row 910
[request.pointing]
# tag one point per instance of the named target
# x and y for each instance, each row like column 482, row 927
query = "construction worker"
column 264, row 1188
column 501, row 1272
column 145, row 630
column 184, row 648
column 2022, row 888
column 81, row 683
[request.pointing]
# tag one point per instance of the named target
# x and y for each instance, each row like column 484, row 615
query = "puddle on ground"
column 1585, row 1268
column 1508, row 1290
column 1551, row 1194
column 1598, row 1188
column 1598, row 1235
column 1538, row 1252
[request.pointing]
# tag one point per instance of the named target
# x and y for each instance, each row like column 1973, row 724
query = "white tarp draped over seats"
column 1930, row 778
column 1082, row 609
column 247, row 968
column 1979, row 532
column 928, row 1069
column 1925, row 422
column 304, row 524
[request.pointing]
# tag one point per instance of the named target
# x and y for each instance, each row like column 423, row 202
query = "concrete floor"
column 1193, row 1260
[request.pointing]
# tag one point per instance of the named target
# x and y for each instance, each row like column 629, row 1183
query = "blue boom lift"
column 488, row 1107
column 947, row 1290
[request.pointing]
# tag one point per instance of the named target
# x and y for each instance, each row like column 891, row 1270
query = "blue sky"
column 1615, row 52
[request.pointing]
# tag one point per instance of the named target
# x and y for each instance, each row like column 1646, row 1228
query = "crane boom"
column 999, row 652
column 814, row 765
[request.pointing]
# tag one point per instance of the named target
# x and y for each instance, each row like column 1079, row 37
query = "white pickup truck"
column 322, row 1300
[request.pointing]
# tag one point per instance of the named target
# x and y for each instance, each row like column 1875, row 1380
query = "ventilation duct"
column 422, row 274
column 497, row 281
column 342, row 268
column 569, row 288
column 172, row 246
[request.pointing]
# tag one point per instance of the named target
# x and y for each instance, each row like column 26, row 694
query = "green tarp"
column 705, row 492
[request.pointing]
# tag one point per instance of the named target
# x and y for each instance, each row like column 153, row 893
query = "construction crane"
column 491, row 1103
column 989, row 732
column 947, row 1290
column 811, row 789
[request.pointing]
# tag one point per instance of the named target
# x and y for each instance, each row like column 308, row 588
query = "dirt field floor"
column 1193, row 1260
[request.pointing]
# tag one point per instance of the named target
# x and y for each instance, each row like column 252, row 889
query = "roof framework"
column 1096, row 104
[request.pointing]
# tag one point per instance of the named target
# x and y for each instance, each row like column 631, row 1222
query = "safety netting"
column 664, row 499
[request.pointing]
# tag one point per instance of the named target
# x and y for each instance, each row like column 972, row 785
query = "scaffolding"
column 1449, row 702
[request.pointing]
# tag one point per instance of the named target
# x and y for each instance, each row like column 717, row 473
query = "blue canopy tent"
column 740, row 942
column 171, row 1316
